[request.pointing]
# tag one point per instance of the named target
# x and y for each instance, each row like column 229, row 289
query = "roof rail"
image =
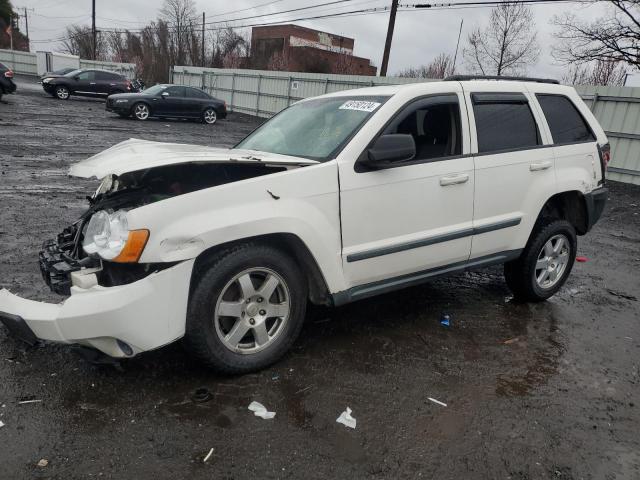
column 461, row 78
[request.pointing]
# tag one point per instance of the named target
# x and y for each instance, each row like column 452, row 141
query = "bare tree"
column 612, row 38
column 508, row 45
column 601, row 72
column 180, row 15
column 440, row 67
column 79, row 41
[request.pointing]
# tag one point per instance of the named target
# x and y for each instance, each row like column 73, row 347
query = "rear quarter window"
column 565, row 121
column 504, row 121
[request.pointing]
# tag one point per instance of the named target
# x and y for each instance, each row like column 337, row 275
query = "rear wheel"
column 141, row 111
column 246, row 310
column 209, row 116
column 62, row 93
column 545, row 263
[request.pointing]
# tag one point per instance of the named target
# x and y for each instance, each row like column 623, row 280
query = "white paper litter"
column 437, row 402
column 260, row 410
column 346, row 419
column 208, row 456
column 1, row 424
column 24, row 402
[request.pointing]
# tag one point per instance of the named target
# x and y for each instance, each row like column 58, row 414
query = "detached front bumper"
column 119, row 321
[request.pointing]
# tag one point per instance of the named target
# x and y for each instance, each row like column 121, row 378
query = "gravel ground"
column 540, row 391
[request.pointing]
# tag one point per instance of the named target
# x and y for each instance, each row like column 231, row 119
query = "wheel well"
column 570, row 206
column 289, row 244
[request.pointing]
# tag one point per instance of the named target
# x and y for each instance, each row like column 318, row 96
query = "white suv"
column 335, row 199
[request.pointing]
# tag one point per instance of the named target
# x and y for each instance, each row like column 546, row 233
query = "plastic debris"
column 346, row 419
column 581, row 259
column 437, row 402
column 43, row 463
column 260, row 410
column 1, row 424
column 23, row 402
column 445, row 320
column 510, row 341
column 206, row 459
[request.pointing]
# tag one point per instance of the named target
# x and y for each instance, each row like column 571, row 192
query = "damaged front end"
column 115, row 303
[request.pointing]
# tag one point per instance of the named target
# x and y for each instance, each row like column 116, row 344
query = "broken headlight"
column 109, row 237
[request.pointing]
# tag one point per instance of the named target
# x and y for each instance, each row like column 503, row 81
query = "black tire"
column 209, row 116
column 62, row 93
column 140, row 116
column 520, row 274
column 211, row 281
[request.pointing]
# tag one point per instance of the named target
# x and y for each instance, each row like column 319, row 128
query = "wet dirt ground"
column 544, row 391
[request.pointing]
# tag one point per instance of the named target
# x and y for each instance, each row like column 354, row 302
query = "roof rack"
column 461, row 78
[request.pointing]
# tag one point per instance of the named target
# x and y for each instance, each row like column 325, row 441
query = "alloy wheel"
column 62, row 93
column 141, row 111
column 552, row 261
column 210, row 116
column 252, row 310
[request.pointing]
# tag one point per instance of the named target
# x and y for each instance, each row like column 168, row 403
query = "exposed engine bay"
column 61, row 257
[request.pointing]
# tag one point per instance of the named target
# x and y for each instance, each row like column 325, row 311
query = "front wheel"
column 246, row 309
column 62, row 93
column 141, row 111
column 209, row 116
column 545, row 263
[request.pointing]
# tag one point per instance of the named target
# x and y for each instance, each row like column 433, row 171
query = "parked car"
column 335, row 199
column 86, row 83
column 57, row 73
column 6, row 80
column 168, row 101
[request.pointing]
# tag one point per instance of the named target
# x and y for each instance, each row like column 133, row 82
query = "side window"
column 104, row 76
column 195, row 93
column 434, row 123
column 504, row 121
column 89, row 75
column 175, row 91
column 565, row 121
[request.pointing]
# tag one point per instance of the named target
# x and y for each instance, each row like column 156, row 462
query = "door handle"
column 92, row 83
column 454, row 179
column 535, row 167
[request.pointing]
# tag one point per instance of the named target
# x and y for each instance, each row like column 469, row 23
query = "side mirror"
column 76, row 78
column 164, row 94
column 389, row 149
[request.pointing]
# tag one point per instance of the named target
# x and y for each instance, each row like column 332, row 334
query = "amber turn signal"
column 134, row 247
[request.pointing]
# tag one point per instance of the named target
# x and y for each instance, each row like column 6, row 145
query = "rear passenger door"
column 514, row 168
column 195, row 101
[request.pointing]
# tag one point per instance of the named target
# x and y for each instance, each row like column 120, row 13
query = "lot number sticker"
column 360, row 105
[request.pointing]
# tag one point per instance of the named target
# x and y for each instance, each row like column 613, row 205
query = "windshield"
column 73, row 73
column 314, row 129
column 155, row 90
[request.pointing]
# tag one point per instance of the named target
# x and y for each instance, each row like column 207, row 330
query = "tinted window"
column 107, row 76
column 175, row 91
column 434, row 124
column 195, row 93
column 89, row 75
column 504, row 122
column 564, row 119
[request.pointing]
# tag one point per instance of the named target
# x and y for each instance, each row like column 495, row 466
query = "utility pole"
column 455, row 56
column 203, row 22
column 93, row 26
column 387, row 43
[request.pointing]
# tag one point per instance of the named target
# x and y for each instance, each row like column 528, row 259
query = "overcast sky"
column 419, row 34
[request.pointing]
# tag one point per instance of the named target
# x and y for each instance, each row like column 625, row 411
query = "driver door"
column 171, row 102
column 416, row 216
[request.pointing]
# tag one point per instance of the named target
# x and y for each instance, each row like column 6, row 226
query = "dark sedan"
column 6, row 80
column 173, row 101
column 86, row 83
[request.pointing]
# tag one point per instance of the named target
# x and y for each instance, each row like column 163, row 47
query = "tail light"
column 8, row 74
column 605, row 158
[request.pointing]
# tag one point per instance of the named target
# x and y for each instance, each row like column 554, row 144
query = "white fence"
column 20, row 62
column 265, row 93
column 26, row 63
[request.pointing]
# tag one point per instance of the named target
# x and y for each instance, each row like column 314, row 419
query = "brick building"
column 299, row 49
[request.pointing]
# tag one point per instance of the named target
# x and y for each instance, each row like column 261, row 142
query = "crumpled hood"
column 133, row 155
